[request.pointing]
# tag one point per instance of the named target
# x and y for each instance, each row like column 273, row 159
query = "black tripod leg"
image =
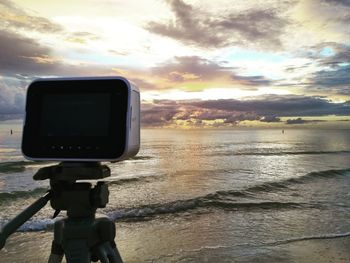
column 55, row 258
column 118, row 258
column 57, row 252
column 77, row 251
column 106, row 253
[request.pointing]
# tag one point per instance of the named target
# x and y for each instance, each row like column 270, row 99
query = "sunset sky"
column 197, row 63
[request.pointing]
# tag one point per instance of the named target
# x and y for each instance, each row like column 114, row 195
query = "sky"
column 271, row 63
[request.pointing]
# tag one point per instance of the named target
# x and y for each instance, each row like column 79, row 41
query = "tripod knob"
column 99, row 195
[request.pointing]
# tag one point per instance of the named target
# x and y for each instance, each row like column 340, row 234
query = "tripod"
column 81, row 237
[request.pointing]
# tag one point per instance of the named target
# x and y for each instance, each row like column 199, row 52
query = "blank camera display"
column 69, row 115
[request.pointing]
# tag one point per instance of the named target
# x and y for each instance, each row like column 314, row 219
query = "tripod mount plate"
column 73, row 171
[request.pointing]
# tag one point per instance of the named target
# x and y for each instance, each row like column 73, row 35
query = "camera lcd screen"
column 75, row 114
column 76, row 119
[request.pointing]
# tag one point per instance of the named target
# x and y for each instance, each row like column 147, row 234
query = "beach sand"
column 322, row 250
column 35, row 247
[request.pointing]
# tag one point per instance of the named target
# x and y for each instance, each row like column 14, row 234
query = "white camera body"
column 81, row 119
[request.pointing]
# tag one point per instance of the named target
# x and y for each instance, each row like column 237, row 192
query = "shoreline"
column 35, row 247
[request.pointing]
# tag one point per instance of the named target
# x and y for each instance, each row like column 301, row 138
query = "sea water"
column 201, row 195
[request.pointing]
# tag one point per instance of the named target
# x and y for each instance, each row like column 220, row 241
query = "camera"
column 81, row 119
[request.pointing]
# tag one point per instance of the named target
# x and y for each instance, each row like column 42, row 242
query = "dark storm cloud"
column 266, row 109
column 14, row 17
column 257, row 27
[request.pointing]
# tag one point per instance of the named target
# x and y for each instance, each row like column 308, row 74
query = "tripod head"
column 80, row 200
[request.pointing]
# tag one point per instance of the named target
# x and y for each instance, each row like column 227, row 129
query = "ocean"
column 210, row 195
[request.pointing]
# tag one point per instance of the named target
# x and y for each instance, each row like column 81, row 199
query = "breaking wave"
column 4, row 197
column 316, row 237
column 233, row 200
column 277, row 153
column 19, row 166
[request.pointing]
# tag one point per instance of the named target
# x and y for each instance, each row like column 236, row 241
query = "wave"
column 246, row 199
column 268, row 186
column 33, row 225
column 20, row 166
column 279, row 153
column 13, row 167
column 304, row 238
column 149, row 211
column 5, row 197
column 280, row 185
column 229, row 200
column 221, row 195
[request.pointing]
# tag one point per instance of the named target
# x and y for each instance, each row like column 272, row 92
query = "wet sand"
column 35, row 247
column 321, row 251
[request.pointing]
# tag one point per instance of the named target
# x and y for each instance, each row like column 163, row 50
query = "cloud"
column 296, row 121
column 84, row 37
column 301, row 121
column 338, row 2
column 12, row 100
column 193, row 68
column 158, row 115
column 11, row 16
column 197, row 73
column 255, row 27
column 329, row 54
column 253, row 80
column 338, row 79
column 271, row 118
column 333, row 60
column 22, row 55
column 287, row 105
column 231, row 112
